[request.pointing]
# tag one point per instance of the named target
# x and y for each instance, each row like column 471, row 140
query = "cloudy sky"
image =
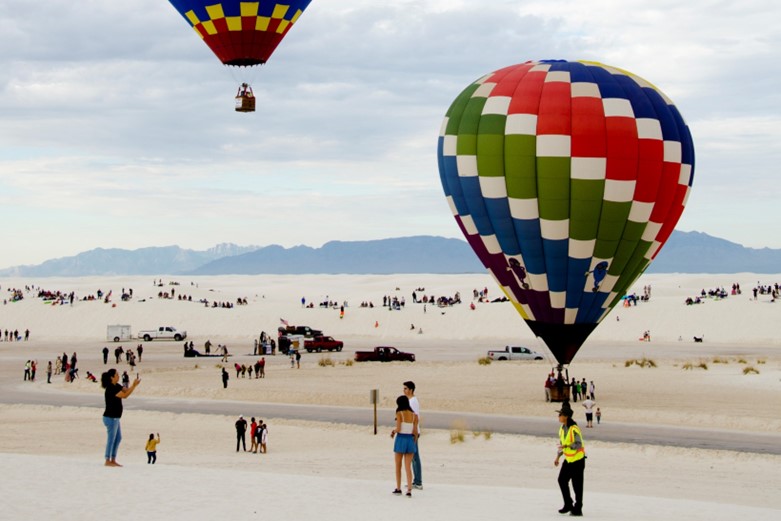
column 117, row 126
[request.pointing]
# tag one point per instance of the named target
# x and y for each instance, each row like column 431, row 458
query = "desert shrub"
column 719, row 360
column 761, row 361
column 348, row 362
column 325, row 361
column 643, row 362
column 688, row 366
column 742, row 361
column 703, row 365
column 750, row 370
column 487, row 435
column 484, row 360
column 457, row 432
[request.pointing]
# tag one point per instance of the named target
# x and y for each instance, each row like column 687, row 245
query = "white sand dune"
column 51, row 455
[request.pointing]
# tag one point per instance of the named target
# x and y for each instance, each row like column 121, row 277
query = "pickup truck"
column 162, row 333
column 323, row 343
column 515, row 353
column 384, row 354
column 307, row 331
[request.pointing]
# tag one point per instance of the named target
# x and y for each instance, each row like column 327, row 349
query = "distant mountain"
column 697, row 252
column 685, row 252
column 421, row 254
column 116, row 261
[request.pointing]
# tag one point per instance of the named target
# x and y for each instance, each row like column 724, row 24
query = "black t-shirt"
column 113, row 403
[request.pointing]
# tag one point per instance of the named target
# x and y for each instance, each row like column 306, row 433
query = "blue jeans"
column 416, row 470
column 114, row 432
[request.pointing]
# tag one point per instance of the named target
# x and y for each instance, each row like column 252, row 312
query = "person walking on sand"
column 114, row 395
column 151, row 448
column 571, row 447
column 599, row 416
column 409, row 392
column 405, row 446
column 225, row 377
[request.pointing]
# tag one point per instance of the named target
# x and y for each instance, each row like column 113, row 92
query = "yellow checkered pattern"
column 248, row 10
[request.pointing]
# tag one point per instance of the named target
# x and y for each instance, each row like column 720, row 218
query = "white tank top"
column 406, row 428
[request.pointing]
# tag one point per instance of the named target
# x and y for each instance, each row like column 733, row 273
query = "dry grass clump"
column 325, row 362
column 750, row 370
column 742, row 361
column 761, row 361
column 485, row 434
column 688, row 366
column 457, row 432
column 348, row 362
column 484, row 360
column 642, row 362
column 719, row 360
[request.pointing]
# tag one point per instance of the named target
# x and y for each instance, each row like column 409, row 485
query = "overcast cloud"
column 117, row 126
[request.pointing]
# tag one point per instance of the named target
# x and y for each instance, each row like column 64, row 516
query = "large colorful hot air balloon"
column 241, row 33
column 566, row 178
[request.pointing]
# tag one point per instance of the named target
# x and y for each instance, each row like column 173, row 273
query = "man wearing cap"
column 571, row 447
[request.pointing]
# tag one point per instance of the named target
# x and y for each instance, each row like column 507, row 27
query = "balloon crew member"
column 571, row 447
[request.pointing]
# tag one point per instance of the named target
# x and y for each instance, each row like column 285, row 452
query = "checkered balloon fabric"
column 566, row 178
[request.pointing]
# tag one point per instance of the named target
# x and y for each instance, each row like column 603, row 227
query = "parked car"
column 515, row 353
column 323, row 343
column 384, row 354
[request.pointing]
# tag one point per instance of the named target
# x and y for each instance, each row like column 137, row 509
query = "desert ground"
column 324, row 458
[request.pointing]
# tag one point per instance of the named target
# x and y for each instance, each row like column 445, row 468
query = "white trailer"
column 118, row 333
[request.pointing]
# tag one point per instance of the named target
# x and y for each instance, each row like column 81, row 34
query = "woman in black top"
column 114, row 395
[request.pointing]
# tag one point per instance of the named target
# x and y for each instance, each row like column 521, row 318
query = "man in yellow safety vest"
column 571, row 447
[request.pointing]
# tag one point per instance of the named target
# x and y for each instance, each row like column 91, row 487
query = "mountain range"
column 684, row 252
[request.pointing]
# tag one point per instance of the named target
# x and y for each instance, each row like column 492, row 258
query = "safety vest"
column 567, row 438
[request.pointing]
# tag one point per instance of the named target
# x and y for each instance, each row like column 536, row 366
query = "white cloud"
column 118, row 127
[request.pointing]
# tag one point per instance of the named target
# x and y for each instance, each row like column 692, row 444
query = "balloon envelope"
column 566, row 178
column 241, row 33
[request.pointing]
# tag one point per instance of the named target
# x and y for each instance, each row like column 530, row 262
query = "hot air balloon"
column 566, row 178
column 241, row 34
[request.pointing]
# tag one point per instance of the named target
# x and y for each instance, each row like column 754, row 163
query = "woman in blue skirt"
column 405, row 446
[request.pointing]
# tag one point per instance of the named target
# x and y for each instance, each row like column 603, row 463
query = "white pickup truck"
column 162, row 333
column 515, row 353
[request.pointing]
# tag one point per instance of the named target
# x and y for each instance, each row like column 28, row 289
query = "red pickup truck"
column 384, row 354
column 323, row 343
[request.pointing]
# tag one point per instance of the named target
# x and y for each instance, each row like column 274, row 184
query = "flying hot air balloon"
column 566, row 178
column 241, row 34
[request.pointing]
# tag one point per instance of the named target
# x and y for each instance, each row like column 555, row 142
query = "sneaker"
column 397, row 491
column 417, row 487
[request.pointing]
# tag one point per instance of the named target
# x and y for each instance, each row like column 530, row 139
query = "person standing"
column 263, row 429
column 253, row 431
column 49, row 373
column 241, row 430
column 405, row 445
column 409, row 392
column 114, row 395
column 588, row 404
column 571, row 447
column 105, row 355
column 151, row 449
column 225, row 377
column 140, row 351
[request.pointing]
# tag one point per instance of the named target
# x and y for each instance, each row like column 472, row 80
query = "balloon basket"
column 245, row 103
column 245, row 99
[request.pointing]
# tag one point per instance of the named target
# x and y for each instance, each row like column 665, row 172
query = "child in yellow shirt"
column 151, row 448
